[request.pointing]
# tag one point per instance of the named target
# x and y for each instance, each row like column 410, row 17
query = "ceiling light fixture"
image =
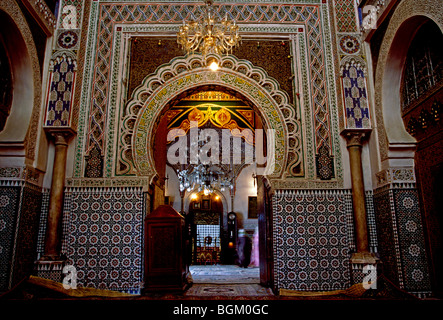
column 208, row 35
column 204, row 178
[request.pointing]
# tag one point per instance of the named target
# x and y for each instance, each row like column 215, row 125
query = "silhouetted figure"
column 244, row 248
column 255, row 260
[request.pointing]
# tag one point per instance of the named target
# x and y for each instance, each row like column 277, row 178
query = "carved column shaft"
column 354, row 145
column 55, row 210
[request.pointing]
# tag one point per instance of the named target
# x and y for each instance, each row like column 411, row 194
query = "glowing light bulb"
column 213, row 66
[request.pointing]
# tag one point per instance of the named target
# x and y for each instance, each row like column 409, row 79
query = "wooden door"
column 264, row 208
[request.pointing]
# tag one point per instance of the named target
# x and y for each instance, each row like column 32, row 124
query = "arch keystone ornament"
column 182, row 74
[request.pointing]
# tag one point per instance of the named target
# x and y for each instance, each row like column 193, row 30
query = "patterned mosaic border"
column 371, row 220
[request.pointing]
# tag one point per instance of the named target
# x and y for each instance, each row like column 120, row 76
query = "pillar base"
column 359, row 264
column 49, row 268
column 364, row 258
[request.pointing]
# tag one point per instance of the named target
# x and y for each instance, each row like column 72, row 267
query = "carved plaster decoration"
column 431, row 9
column 184, row 73
column 13, row 10
column 104, row 63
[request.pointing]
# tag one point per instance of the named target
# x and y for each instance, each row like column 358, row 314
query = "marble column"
column 50, row 265
column 355, row 140
column 55, row 211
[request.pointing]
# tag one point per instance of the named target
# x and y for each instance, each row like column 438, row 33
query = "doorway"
column 421, row 97
column 205, row 222
column 208, row 193
column 212, row 259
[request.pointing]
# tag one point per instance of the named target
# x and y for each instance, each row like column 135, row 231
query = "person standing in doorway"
column 255, row 253
column 244, row 248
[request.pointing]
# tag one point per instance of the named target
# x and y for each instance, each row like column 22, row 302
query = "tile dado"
column 9, row 200
column 401, row 239
column 20, row 204
column 103, row 237
column 312, row 238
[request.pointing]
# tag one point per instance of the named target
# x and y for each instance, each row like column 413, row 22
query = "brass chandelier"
column 204, row 177
column 209, row 35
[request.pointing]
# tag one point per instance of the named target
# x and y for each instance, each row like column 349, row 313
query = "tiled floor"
column 224, row 274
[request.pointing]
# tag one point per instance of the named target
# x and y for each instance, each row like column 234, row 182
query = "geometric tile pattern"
column 103, row 237
column 411, row 240
column 311, row 245
column 27, row 232
column 401, row 239
column 19, row 217
column 387, row 235
column 355, row 97
column 9, row 201
column 42, row 223
column 345, row 15
column 60, row 92
column 372, row 226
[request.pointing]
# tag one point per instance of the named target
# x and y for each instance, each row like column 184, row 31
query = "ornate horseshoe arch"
column 186, row 73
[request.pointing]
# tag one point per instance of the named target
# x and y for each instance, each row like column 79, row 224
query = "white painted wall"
column 244, row 188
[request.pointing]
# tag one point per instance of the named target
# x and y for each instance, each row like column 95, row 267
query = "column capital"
column 355, row 137
column 60, row 135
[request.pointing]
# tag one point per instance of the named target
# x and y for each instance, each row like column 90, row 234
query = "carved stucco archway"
column 23, row 121
column 405, row 21
column 186, row 73
column 397, row 147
